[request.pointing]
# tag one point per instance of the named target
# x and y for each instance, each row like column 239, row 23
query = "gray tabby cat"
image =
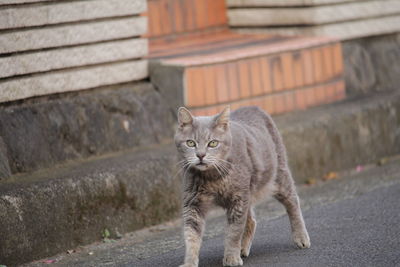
column 232, row 160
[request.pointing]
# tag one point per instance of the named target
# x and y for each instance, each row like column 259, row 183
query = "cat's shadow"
column 258, row 251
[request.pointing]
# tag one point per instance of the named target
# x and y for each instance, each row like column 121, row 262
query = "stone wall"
column 345, row 19
column 50, row 47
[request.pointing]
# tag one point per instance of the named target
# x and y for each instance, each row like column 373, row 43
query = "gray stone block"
column 313, row 15
column 345, row 30
column 42, row 61
column 73, row 34
column 39, row 133
column 275, row 3
column 5, row 170
column 72, row 80
column 342, row 135
column 168, row 80
column 371, row 64
column 70, row 11
column 59, row 209
column 12, row 2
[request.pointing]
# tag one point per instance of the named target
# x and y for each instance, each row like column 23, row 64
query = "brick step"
column 207, row 71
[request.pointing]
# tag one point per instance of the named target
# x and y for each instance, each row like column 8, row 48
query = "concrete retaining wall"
column 51, row 47
column 45, row 131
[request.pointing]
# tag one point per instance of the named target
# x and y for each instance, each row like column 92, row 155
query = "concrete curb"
column 55, row 210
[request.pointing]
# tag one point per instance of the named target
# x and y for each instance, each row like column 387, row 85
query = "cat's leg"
column 194, row 211
column 236, row 215
column 287, row 195
column 248, row 234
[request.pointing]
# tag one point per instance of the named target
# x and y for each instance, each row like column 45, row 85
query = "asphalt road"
column 352, row 221
column 364, row 231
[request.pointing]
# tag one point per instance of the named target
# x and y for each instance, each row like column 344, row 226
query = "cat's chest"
column 220, row 193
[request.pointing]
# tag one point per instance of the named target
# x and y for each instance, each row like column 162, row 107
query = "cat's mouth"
column 201, row 166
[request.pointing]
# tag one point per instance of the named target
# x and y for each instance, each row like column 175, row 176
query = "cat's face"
column 203, row 142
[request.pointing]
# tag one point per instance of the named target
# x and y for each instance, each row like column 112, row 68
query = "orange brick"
column 327, row 58
column 201, row 14
column 178, row 16
column 279, row 103
column 298, row 69
column 187, row 16
column 154, row 19
column 259, row 102
column 275, row 64
column 235, row 105
column 265, row 75
column 340, row 90
column 194, row 87
column 221, row 12
column 233, row 81
column 269, row 104
column 318, row 65
column 301, row 99
column 308, row 68
column 310, row 96
column 211, row 111
column 165, row 17
column 319, row 93
column 337, row 59
column 222, row 86
column 290, row 103
column 330, row 92
column 288, row 75
column 244, row 79
column 210, row 85
column 255, row 71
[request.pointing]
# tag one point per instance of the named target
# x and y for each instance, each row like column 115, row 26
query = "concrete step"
column 341, row 19
column 52, row 210
column 56, row 209
column 45, row 131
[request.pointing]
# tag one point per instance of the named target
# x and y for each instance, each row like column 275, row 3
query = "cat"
column 233, row 160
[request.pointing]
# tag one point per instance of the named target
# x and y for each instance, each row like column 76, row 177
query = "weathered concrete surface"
column 73, row 79
column 372, row 64
column 346, row 30
column 73, row 57
column 44, row 131
column 339, row 237
column 55, row 210
column 312, row 15
column 47, row 14
column 73, row 34
column 4, row 164
column 342, row 135
column 275, row 3
column 169, row 82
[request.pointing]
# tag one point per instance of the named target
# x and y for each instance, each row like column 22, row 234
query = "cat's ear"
column 222, row 119
column 185, row 118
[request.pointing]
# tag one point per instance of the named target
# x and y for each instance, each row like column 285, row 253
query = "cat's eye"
column 213, row 143
column 190, row 143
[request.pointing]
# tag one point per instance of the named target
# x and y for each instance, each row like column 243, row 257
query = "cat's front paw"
column 245, row 252
column 232, row 260
column 188, row 265
column 301, row 239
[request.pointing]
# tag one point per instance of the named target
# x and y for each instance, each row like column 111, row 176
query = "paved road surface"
column 352, row 221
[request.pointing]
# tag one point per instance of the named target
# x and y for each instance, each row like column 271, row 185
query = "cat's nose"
column 200, row 156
